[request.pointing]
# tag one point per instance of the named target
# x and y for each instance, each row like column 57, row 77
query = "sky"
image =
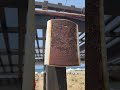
column 77, row 3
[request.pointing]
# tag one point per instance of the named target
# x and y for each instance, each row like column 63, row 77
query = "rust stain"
column 63, row 50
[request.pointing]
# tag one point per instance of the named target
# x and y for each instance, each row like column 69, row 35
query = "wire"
column 65, row 5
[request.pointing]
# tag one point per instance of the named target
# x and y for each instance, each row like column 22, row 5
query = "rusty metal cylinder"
column 62, row 48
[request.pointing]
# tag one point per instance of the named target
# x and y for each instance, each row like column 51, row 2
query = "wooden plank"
column 12, row 52
column 80, row 17
column 29, row 57
column 2, row 65
column 11, row 30
column 96, row 71
column 110, row 20
column 112, row 34
column 14, row 65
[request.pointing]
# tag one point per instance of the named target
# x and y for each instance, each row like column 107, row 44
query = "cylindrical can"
column 62, row 48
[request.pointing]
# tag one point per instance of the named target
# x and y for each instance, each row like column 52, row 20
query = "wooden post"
column 29, row 58
column 56, row 78
column 96, row 71
column 44, row 78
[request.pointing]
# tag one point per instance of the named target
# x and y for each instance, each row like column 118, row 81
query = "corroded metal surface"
column 64, row 43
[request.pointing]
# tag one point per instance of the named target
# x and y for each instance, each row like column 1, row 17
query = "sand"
column 75, row 81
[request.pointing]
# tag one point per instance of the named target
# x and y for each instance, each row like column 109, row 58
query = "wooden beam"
column 29, row 57
column 14, row 3
column 113, row 52
column 12, row 52
column 109, row 20
column 2, row 65
column 44, row 38
column 8, row 75
column 80, row 34
column 22, row 14
column 113, row 61
column 59, row 81
column 80, row 17
column 95, row 59
column 10, row 3
column 111, row 8
column 38, row 46
column 113, row 34
column 59, row 7
column 58, row 75
column 114, row 28
column 10, row 29
column 5, row 34
column 108, row 41
column 14, row 65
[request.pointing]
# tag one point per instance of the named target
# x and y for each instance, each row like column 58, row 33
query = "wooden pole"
column 56, row 78
column 96, row 71
column 29, row 58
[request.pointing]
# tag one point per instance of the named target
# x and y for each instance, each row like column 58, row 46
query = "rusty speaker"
column 62, row 48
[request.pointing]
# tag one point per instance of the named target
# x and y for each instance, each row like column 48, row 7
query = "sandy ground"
column 75, row 81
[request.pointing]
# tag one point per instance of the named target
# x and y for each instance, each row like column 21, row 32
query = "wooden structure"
column 104, row 26
column 14, row 56
column 8, row 35
column 14, row 29
column 95, row 41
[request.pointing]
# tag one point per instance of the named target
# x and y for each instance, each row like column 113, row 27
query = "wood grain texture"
column 96, row 75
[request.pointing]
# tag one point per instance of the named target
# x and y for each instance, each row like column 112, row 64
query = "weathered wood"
column 29, row 58
column 96, row 71
column 11, row 30
column 58, row 75
column 12, row 52
column 14, row 3
column 44, row 79
column 113, row 34
column 61, row 14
